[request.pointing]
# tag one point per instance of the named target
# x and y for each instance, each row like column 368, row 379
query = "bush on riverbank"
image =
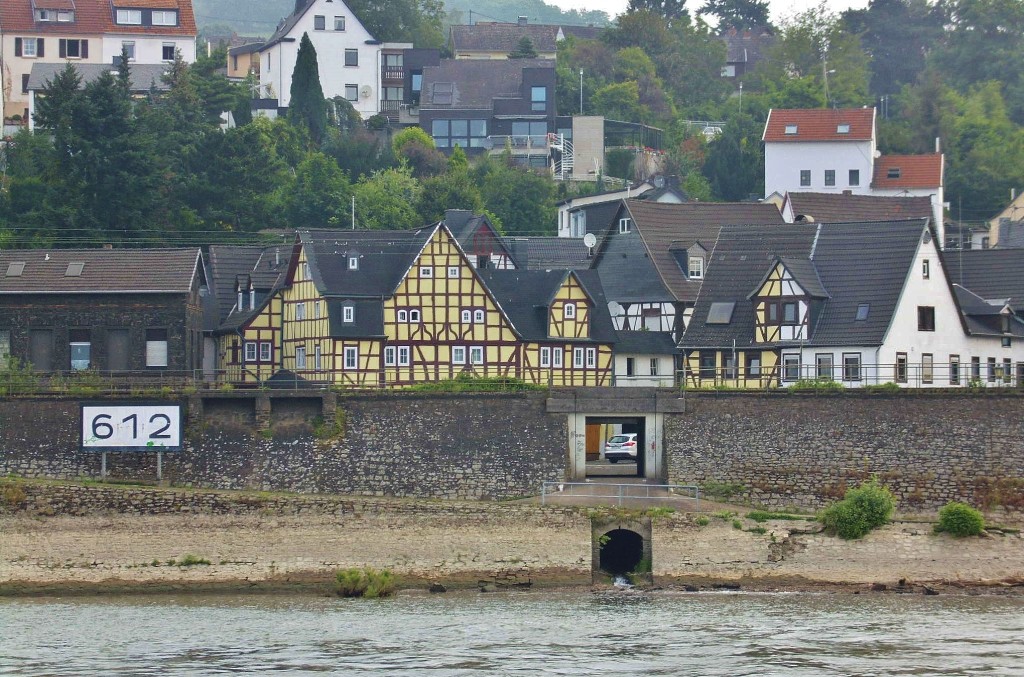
column 862, row 509
column 960, row 519
column 367, row 582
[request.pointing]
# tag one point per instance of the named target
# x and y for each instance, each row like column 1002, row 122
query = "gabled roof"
column 228, row 264
column 661, row 226
column 92, row 17
column 477, row 82
column 985, row 317
column 549, row 253
column 989, row 273
column 142, row 77
column 104, row 271
column 289, row 22
column 505, row 37
column 464, row 226
column 856, row 263
column 525, row 296
column 385, row 257
column 646, row 343
column 908, row 171
column 820, row 124
column 840, row 207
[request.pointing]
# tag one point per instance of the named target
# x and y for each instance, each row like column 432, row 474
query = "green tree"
column 320, row 195
column 386, row 200
column 670, row 9
column 410, row 135
column 618, row 101
column 735, row 160
column 452, row 190
column 416, row 148
column 524, row 50
column 307, row 105
column 522, row 200
column 739, row 14
column 420, row 22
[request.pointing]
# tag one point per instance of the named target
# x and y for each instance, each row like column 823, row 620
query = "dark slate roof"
column 838, row 207
column 264, row 266
column 989, row 273
column 104, row 271
column 665, row 228
column 142, row 76
column 367, row 313
column 477, row 82
column 984, row 317
column 248, row 48
column 806, row 275
column 746, row 46
column 548, row 253
column 1010, row 235
column 288, row 23
column 505, row 37
column 384, row 258
column 524, row 295
column 600, row 216
column 464, row 225
column 646, row 343
column 856, row 263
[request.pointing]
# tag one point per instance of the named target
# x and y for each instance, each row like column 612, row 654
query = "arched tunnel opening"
column 621, row 553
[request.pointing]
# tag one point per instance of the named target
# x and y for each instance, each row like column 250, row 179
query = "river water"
column 530, row 633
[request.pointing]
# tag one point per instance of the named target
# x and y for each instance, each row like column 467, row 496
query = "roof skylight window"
column 790, row 129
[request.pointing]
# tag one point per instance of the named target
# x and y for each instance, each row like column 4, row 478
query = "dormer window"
column 60, row 16
column 353, row 263
column 129, row 17
column 790, row 129
column 569, row 311
column 165, row 17
column 893, row 173
column 348, row 314
column 696, row 267
column 625, row 225
column 843, row 129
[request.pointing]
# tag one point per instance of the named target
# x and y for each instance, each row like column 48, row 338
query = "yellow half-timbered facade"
column 384, row 308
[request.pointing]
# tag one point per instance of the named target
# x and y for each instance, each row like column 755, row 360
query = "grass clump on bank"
column 960, row 519
column 862, row 509
column 368, row 582
column 764, row 516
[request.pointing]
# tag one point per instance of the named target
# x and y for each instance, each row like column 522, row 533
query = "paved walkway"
column 628, row 492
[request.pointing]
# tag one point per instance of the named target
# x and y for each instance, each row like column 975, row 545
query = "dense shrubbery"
column 367, row 582
column 867, row 507
column 960, row 519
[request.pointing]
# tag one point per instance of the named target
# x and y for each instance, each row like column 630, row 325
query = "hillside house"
column 496, row 40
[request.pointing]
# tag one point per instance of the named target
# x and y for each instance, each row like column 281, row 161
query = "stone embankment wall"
column 792, row 450
column 437, row 446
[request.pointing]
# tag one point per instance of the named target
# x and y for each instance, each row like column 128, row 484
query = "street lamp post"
column 581, row 91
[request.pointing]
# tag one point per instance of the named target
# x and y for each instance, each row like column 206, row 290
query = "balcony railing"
column 390, row 106
column 392, row 73
column 963, row 375
column 539, row 143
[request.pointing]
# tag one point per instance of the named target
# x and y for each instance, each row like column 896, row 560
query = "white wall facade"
column 937, row 197
column 783, row 162
column 148, row 48
column 663, row 376
column 12, row 68
column 277, row 62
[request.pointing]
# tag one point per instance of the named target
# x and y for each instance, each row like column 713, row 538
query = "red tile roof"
column 820, row 124
column 92, row 17
column 908, row 171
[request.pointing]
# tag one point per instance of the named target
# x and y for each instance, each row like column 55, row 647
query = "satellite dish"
column 365, row 92
column 615, row 308
column 589, row 239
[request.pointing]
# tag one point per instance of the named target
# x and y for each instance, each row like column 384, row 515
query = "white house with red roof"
column 835, row 151
column 87, row 31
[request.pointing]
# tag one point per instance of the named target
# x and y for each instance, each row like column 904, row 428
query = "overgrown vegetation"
column 466, row 383
column 722, row 490
column 818, row 385
column 764, row 516
column 960, row 519
column 863, row 509
column 883, row 388
column 367, row 582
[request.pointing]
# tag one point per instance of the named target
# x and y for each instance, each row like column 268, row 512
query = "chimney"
column 299, row 5
column 108, row 246
column 522, row 20
column 938, row 145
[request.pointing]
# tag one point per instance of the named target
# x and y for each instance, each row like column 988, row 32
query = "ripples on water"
column 518, row 634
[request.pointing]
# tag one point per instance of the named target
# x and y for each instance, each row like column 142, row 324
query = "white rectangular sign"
column 131, row 427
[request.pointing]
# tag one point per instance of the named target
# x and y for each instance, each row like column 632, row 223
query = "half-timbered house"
column 855, row 303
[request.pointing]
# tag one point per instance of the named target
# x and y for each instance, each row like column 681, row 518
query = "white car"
column 621, row 448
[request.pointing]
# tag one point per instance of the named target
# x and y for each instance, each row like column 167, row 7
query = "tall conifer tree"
column 308, row 106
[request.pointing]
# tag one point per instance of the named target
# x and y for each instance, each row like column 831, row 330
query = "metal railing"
column 520, row 143
column 392, row 72
column 622, row 493
column 832, row 375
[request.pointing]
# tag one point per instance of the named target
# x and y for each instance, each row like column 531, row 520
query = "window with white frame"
column 318, row 362
column 654, row 366
column 352, row 92
column 319, row 22
column 316, row 310
column 625, row 225
column 165, row 18
column 476, row 355
column 156, row 347
column 167, row 51
column 348, row 314
column 266, row 351
column 29, row 47
column 545, row 356
column 453, row 271
column 591, row 358
column 402, row 316
column 128, row 47
column 351, row 357
column 458, row 355
column 351, row 57
column 300, row 357
column 129, row 17
column 577, row 358
column 300, row 310
column 250, row 351
column 389, row 356
column 578, row 224
column 306, row 273
column 339, row 23
column 696, row 267
column 569, row 311
column 353, row 263
column 556, row 357
column 414, row 316
column 403, row 356
column 478, row 316
column 426, row 271
column 791, row 367
column 467, row 316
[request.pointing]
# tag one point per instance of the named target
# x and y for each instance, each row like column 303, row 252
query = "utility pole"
column 353, row 212
column 581, row 91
